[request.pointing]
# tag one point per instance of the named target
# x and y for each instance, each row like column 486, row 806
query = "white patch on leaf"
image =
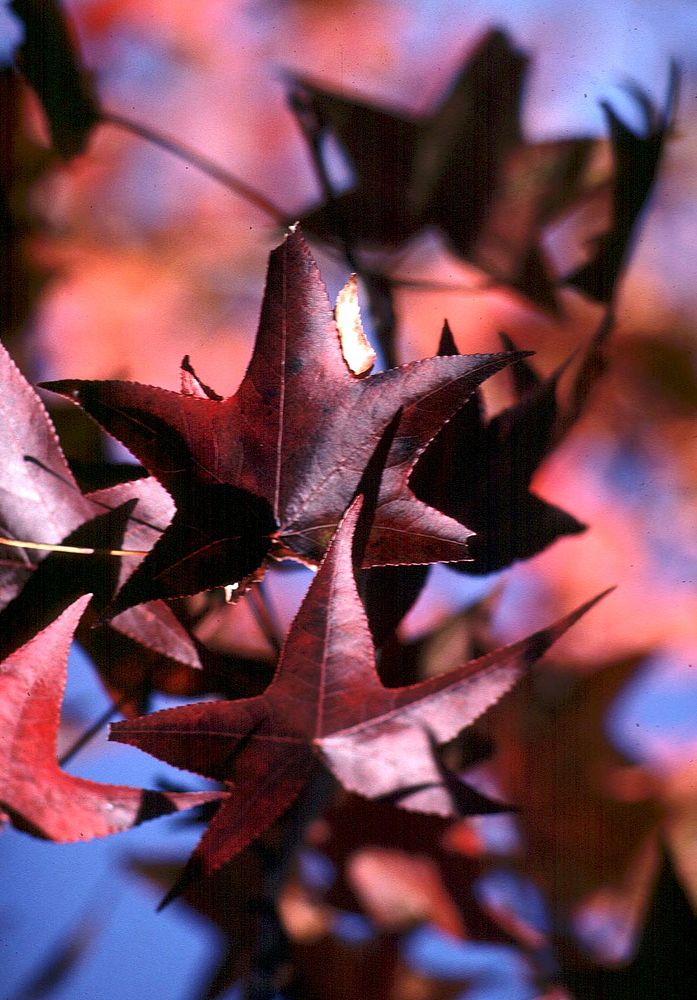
column 355, row 346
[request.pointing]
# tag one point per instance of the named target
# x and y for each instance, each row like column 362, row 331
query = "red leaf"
column 326, row 699
column 153, row 624
column 41, row 502
column 270, row 471
column 40, row 797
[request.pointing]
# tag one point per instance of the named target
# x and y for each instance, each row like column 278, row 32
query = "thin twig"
column 209, row 167
column 92, row 731
column 243, row 190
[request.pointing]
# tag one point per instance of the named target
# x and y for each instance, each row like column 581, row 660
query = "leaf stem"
column 424, row 285
column 239, row 187
column 92, row 731
column 78, row 550
column 201, row 162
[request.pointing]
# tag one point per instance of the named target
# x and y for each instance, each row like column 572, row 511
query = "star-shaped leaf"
column 270, row 471
column 479, row 471
column 38, row 795
column 327, row 700
column 465, row 168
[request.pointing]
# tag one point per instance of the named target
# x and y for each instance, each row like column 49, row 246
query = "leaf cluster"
column 368, row 479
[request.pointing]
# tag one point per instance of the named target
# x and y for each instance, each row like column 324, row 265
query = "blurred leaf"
column 51, row 63
column 665, row 961
column 637, row 158
column 465, row 168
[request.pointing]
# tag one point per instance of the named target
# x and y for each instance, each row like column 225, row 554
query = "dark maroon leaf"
column 51, row 63
column 132, row 673
column 459, row 637
column 153, row 625
column 354, row 823
column 232, row 898
column 465, row 168
column 479, row 471
column 664, row 959
column 61, row 578
column 637, row 159
column 388, row 593
column 269, row 471
column 40, row 501
column 22, row 162
column 127, row 668
column 466, row 800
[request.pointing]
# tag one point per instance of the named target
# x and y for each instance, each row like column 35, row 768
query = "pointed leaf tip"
column 525, row 378
column 68, row 387
column 42, row 798
column 447, row 346
column 69, row 618
column 341, row 545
